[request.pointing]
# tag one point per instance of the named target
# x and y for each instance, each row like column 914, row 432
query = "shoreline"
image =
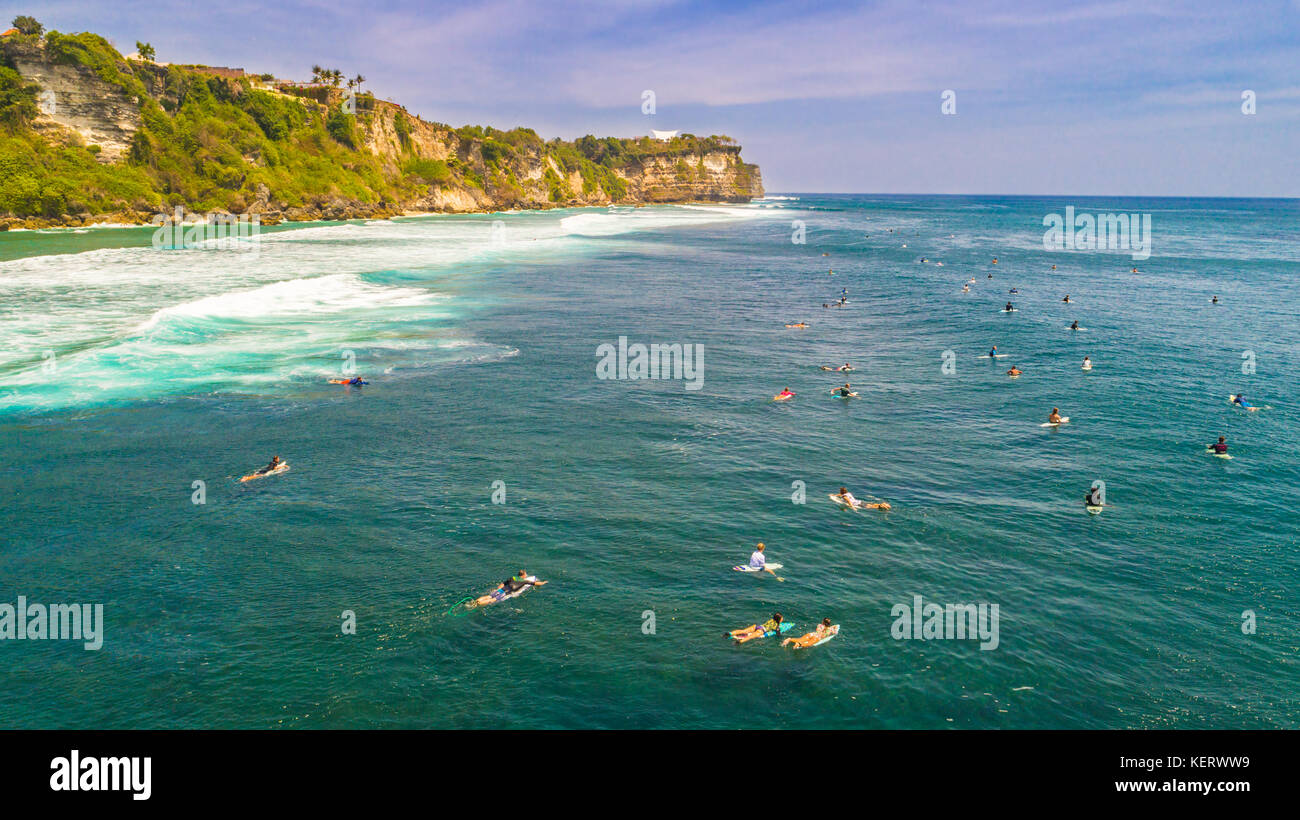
column 119, row 220
column 115, row 221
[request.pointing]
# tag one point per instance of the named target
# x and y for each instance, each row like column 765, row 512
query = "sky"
column 1142, row 97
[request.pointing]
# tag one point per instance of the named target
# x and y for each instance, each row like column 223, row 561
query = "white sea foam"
column 134, row 323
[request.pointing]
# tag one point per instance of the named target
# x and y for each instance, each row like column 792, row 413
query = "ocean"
column 136, row 382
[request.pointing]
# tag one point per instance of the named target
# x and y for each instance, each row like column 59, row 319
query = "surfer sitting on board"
column 758, row 560
column 993, row 354
column 1075, row 326
column 1221, row 447
column 1093, row 498
column 508, row 587
column 753, row 631
column 1054, row 417
column 1009, row 308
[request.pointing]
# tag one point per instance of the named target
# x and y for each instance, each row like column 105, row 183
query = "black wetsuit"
column 513, row 584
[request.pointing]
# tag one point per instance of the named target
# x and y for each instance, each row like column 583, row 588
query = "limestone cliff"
column 218, row 139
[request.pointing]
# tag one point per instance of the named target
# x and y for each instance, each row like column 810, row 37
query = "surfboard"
column 1013, row 310
column 283, row 468
column 1227, row 456
column 779, row 397
column 772, row 567
column 1064, row 420
column 861, row 505
column 1093, row 508
column 994, row 356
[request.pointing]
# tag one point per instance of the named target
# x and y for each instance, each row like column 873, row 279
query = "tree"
column 145, row 51
column 28, row 25
column 316, row 73
column 336, row 77
column 358, row 80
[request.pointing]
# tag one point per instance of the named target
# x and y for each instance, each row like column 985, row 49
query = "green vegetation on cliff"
column 213, row 142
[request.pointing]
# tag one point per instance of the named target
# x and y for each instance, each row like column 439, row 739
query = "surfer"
column 1093, row 497
column 1054, row 417
column 844, row 391
column 275, row 462
column 1014, row 371
column 812, row 637
column 993, row 354
column 753, row 631
column 783, row 395
column 1240, row 401
column 508, row 587
column 1009, row 307
column 1214, row 301
column 1087, row 363
column 758, row 560
column 355, row 380
column 1075, row 325
column 1220, row 447
column 848, row 498
column 1067, row 298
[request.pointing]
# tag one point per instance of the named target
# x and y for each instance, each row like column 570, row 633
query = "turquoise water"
column 636, row 496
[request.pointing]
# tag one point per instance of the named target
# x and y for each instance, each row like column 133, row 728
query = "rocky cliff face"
column 80, row 106
column 74, row 99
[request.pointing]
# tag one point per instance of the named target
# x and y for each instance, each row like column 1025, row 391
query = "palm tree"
column 336, row 77
column 316, row 72
column 358, row 80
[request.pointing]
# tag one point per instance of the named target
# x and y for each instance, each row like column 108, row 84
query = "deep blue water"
column 638, row 496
